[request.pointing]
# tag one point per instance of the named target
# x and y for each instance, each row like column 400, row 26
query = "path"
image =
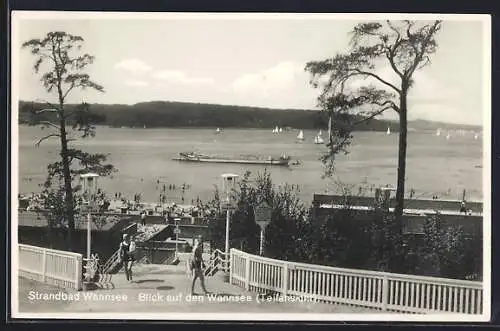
column 165, row 288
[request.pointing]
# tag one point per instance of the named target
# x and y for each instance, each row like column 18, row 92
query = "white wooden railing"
column 59, row 268
column 218, row 261
column 379, row 290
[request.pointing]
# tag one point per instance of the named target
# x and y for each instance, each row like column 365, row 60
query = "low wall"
column 54, row 267
column 104, row 243
column 453, row 205
column 380, row 290
column 192, row 231
column 33, row 230
column 413, row 224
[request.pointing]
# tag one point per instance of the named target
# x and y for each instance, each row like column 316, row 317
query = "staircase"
column 112, row 266
column 218, row 261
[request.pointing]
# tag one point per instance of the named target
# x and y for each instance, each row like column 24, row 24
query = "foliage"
column 349, row 238
column 288, row 220
column 401, row 46
column 178, row 114
column 451, row 251
column 61, row 65
column 345, row 238
column 341, row 241
column 387, row 245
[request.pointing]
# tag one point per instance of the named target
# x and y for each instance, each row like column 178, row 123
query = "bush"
column 347, row 238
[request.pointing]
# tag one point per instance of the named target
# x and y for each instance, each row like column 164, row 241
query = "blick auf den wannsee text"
column 160, row 297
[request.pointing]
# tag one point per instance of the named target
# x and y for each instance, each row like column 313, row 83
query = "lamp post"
column 228, row 182
column 89, row 181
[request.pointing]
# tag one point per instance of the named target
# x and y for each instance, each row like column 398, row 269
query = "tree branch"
column 390, row 54
column 373, row 115
column 51, row 124
column 426, row 61
column 389, row 23
column 390, row 103
column 425, row 43
column 72, row 86
column 45, row 110
column 51, row 105
column 378, row 78
column 39, row 141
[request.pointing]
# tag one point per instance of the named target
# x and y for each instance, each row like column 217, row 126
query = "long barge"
column 188, row 157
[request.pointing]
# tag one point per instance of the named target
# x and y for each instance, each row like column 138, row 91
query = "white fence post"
column 247, row 272
column 44, row 265
column 78, row 273
column 385, row 293
column 380, row 290
column 50, row 266
column 285, row 278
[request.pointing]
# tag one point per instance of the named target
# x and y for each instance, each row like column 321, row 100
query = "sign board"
column 92, row 208
column 263, row 212
column 227, row 205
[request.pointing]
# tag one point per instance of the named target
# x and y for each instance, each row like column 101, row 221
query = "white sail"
column 476, row 136
column 218, row 130
column 388, row 130
column 448, row 136
column 320, row 133
column 300, row 135
column 281, row 130
column 275, row 130
column 318, row 140
column 438, row 132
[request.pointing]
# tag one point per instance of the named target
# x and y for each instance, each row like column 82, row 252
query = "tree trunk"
column 403, row 131
column 68, row 189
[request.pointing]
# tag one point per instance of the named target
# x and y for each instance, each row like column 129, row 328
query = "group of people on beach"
column 195, row 264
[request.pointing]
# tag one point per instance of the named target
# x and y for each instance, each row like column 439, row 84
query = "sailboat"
column 281, row 130
column 476, row 136
column 448, row 136
column 318, row 139
column 388, row 130
column 438, row 132
column 300, row 136
column 275, row 130
column 218, row 131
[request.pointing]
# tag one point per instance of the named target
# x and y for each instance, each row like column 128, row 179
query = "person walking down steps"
column 127, row 256
column 197, row 266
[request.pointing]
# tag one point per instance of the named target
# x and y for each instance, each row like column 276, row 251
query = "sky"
column 248, row 61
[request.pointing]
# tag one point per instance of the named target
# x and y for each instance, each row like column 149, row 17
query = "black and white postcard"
column 279, row 167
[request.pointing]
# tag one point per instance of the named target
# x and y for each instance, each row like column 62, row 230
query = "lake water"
column 144, row 156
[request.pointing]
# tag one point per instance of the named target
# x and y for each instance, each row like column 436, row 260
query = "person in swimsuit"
column 126, row 256
column 463, row 207
column 197, row 266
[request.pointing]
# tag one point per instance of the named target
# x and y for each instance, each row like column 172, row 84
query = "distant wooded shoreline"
column 157, row 114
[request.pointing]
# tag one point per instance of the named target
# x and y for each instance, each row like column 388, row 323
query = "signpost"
column 177, row 232
column 262, row 212
column 228, row 184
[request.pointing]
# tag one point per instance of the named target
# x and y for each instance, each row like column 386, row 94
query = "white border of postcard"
column 18, row 16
